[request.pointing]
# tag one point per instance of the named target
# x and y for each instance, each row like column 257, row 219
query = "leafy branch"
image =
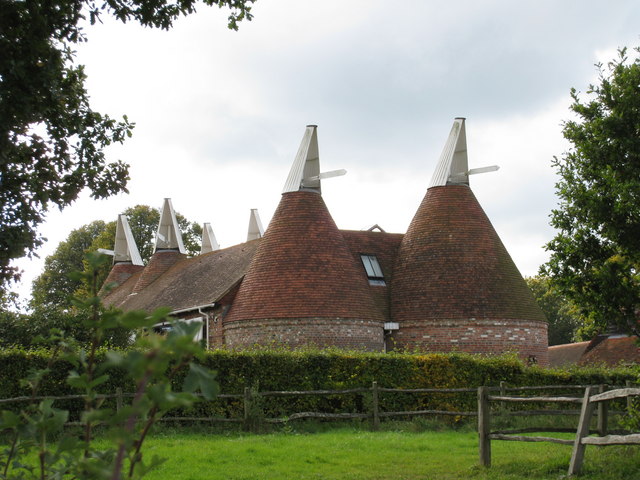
column 154, row 364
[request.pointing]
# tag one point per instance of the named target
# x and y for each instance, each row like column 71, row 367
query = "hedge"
column 269, row 370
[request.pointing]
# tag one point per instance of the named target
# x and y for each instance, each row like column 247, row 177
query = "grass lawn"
column 348, row 453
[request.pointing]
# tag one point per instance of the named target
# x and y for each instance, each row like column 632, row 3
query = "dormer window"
column 372, row 267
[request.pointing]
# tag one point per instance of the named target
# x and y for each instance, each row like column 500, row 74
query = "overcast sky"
column 220, row 114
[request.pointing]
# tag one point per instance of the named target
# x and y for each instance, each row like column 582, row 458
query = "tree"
column 51, row 141
column 53, row 288
column 595, row 256
column 37, row 442
column 31, row 330
column 144, row 221
column 562, row 314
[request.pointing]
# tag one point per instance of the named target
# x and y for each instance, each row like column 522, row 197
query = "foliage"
column 596, row 255
column 144, row 221
column 337, row 370
column 563, row 317
column 52, row 143
column 53, row 287
column 37, row 443
column 31, row 330
column 9, row 300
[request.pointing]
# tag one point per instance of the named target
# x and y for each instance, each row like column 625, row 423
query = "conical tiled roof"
column 159, row 263
column 121, row 272
column 303, row 269
column 452, row 265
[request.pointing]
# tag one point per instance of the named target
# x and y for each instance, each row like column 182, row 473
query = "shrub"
column 37, row 443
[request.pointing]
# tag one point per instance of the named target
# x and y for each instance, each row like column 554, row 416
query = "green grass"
column 349, row 453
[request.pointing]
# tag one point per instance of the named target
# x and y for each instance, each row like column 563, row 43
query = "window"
column 165, row 327
column 372, row 267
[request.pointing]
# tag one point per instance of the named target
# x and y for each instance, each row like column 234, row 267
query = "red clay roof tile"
column 452, row 265
column 303, row 268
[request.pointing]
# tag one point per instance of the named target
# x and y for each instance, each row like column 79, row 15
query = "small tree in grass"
column 39, row 446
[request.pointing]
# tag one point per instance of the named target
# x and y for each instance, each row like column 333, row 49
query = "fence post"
column 118, row 399
column 603, row 413
column 484, row 426
column 247, row 409
column 577, row 456
column 503, row 393
column 629, row 398
column 375, row 405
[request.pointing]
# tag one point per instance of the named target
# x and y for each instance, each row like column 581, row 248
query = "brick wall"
column 215, row 331
column 486, row 336
column 320, row 332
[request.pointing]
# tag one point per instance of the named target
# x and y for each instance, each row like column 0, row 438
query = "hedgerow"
column 331, row 369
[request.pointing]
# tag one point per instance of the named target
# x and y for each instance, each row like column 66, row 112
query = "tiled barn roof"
column 602, row 350
column 385, row 247
column 452, row 265
column 219, row 271
column 612, row 351
column 159, row 263
column 567, row 354
column 303, row 268
column 190, row 282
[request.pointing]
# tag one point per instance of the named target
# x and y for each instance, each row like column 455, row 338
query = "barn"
column 447, row 284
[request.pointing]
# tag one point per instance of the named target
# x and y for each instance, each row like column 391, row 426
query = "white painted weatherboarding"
column 169, row 236
column 125, row 248
column 306, row 164
column 209, row 242
column 255, row 226
column 305, row 171
column 453, row 166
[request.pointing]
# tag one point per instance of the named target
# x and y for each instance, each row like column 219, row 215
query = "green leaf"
column 203, row 379
column 8, row 420
column 79, row 381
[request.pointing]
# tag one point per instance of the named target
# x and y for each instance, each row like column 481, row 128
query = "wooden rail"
column 583, row 439
column 375, row 413
column 486, row 435
column 251, row 406
column 594, row 398
column 252, row 399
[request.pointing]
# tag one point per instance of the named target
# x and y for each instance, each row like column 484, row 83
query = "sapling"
column 38, row 442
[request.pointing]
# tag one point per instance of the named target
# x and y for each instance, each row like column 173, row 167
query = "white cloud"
column 220, row 114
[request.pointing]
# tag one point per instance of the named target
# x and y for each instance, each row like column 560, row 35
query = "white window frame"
column 373, row 269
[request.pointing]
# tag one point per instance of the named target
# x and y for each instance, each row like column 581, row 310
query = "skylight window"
column 372, row 267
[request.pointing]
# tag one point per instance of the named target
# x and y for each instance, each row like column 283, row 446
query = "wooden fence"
column 582, row 435
column 252, row 399
column 374, row 411
column 500, row 397
column 590, row 404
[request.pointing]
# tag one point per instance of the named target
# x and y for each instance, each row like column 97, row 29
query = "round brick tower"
column 455, row 287
column 303, row 286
